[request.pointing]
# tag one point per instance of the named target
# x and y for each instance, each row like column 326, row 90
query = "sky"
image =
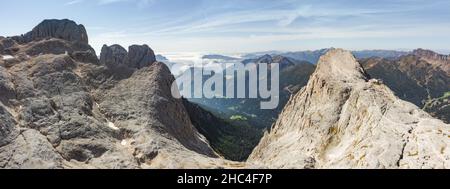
column 238, row 26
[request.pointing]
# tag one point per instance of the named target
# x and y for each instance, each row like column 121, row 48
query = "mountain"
column 379, row 54
column 419, row 78
column 219, row 57
column 59, row 29
column 284, row 62
column 344, row 119
column 161, row 58
column 435, row 59
column 61, row 107
column 310, row 56
column 293, row 75
column 313, row 56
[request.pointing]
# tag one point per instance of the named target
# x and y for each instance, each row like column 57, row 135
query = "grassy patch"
column 238, row 118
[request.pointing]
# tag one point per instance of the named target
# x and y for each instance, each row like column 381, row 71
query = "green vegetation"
column 446, row 95
column 238, row 118
column 233, row 139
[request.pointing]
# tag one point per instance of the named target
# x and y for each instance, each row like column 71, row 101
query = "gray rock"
column 140, row 56
column 7, row 45
column 113, row 56
column 61, row 29
column 8, row 129
column 6, row 86
column 30, row 150
column 78, row 51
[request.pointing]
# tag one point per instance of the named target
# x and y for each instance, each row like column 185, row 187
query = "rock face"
column 140, row 56
column 342, row 119
column 137, row 57
column 113, row 56
column 60, row 29
column 57, row 111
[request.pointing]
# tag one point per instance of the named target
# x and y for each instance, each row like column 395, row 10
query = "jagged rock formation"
column 60, row 29
column 342, row 119
column 138, row 56
column 51, row 37
column 57, row 111
column 113, row 56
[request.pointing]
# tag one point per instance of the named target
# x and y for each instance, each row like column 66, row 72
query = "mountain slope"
column 293, row 75
column 234, row 140
column 419, row 78
column 63, row 108
column 341, row 119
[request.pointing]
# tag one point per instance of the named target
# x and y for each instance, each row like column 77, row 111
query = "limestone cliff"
column 343, row 119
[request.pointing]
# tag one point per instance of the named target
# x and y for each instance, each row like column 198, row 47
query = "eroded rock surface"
column 60, row 29
column 60, row 109
column 343, row 119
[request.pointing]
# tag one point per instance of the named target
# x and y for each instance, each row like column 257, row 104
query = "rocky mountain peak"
column 341, row 120
column 61, row 29
column 137, row 57
column 140, row 56
column 340, row 65
column 113, row 56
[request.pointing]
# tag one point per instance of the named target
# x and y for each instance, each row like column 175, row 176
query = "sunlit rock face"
column 344, row 119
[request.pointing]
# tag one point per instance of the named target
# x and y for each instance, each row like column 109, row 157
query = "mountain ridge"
column 359, row 124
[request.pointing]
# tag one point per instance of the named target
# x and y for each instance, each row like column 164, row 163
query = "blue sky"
column 234, row 26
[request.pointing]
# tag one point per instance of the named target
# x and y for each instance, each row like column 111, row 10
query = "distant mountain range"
column 313, row 56
column 219, row 57
column 309, row 56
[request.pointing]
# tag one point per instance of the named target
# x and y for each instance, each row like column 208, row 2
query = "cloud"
column 139, row 3
column 73, row 2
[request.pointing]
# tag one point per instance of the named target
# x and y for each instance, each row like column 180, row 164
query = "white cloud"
column 73, row 2
column 139, row 3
